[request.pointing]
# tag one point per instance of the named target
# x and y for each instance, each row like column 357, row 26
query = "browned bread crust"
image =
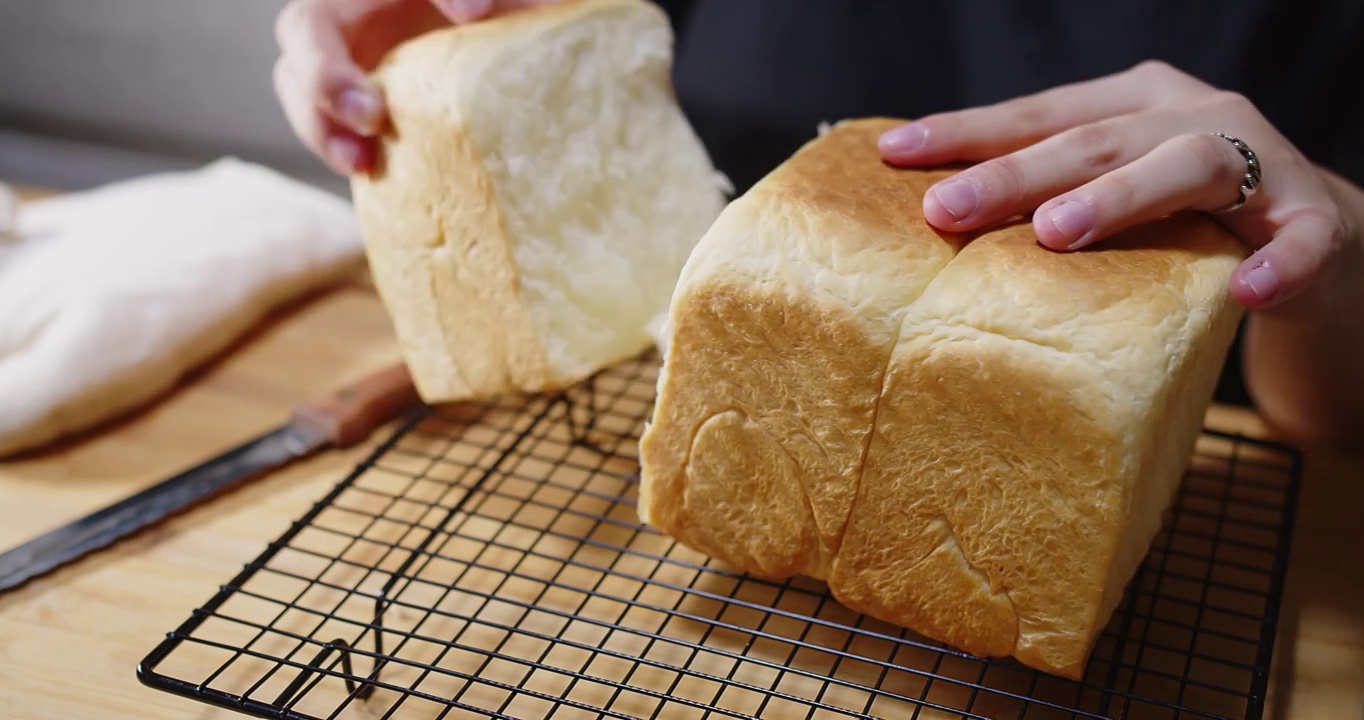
column 973, row 437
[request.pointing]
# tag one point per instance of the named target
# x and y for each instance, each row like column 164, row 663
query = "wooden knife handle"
column 352, row 414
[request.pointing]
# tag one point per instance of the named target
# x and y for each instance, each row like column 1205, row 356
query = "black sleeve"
column 1231, row 384
column 1346, row 155
column 677, row 11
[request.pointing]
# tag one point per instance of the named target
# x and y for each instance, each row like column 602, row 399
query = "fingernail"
column 903, row 139
column 958, row 197
column 359, row 108
column 1072, row 219
column 344, row 152
column 1262, row 280
column 467, row 10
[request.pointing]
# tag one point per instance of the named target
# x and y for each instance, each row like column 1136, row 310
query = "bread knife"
column 339, row 421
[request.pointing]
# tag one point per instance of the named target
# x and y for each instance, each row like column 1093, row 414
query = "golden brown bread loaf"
column 973, row 437
column 537, row 196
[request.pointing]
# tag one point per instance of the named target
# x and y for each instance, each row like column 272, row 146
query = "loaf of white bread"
column 973, row 437
column 537, row 195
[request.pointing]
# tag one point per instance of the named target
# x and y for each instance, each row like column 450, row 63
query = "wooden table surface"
column 70, row 641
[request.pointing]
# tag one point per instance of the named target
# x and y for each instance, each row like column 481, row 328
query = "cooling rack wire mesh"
column 490, row 563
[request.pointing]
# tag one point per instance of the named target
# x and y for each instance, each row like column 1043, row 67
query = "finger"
column 372, row 28
column 1187, row 172
column 310, row 35
column 985, row 132
column 1018, row 182
column 1298, row 255
column 463, row 11
column 343, row 150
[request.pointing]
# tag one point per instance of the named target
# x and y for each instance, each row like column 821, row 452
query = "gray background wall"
column 95, row 90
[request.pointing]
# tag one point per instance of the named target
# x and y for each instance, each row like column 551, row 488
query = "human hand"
column 326, row 49
column 1096, row 157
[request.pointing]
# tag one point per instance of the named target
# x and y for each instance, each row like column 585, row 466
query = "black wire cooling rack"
column 490, row 562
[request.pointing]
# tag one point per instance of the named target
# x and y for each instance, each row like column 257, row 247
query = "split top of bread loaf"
column 968, row 435
column 537, row 196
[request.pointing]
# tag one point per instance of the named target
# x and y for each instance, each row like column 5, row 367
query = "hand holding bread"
column 534, row 198
column 326, row 49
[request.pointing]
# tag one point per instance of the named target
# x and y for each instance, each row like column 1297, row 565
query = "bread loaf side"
column 537, row 196
column 970, row 436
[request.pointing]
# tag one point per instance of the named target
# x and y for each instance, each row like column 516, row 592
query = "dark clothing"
column 756, row 77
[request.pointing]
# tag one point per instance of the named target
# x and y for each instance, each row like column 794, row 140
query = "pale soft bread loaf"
column 537, row 196
column 972, row 437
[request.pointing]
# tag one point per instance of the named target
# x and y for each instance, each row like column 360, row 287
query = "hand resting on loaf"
column 1100, row 156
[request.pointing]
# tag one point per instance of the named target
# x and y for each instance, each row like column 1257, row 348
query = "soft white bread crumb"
column 537, row 198
column 972, row 437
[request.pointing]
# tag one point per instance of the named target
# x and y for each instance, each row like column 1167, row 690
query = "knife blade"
column 339, row 421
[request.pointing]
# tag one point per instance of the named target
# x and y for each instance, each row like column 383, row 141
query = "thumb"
column 1293, row 261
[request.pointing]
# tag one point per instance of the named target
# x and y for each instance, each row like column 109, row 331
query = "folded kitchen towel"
column 109, row 297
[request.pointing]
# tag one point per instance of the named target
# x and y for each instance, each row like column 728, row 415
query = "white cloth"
column 9, row 210
column 109, row 297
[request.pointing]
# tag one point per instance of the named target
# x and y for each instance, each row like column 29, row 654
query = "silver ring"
column 1250, row 181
